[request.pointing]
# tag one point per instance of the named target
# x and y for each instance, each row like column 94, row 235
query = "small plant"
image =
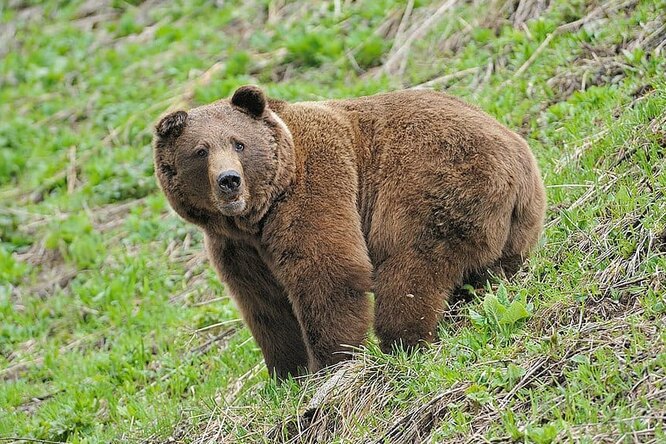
column 501, row 315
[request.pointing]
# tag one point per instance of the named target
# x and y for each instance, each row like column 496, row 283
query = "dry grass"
column 355, row 393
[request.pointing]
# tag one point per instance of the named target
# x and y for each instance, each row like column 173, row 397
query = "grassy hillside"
column 114, row 328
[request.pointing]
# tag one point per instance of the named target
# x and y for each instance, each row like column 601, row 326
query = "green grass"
column 114, row 328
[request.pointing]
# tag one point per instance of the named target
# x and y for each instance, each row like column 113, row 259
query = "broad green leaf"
column 514, row 313
column 493, row 308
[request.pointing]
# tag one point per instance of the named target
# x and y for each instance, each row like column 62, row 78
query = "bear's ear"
column 171, row 125
column 250, row 98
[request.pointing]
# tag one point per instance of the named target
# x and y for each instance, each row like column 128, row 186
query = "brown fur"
column 405, row 194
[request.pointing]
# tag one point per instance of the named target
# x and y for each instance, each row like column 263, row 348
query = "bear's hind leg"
column 424, row 266
column 524, row 231
column 411, row 296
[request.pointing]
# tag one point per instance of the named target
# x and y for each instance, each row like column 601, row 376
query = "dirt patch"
column 53, row 273
column 32, row 405
column 571, row 315
column 586, row 73
column 598, row 65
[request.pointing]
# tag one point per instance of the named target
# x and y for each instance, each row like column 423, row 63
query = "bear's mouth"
column 233, row 208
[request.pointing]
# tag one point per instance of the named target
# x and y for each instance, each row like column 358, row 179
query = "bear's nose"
column 229, row 181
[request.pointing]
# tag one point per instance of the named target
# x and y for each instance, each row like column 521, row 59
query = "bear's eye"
column 238, row 146
column 202, row 152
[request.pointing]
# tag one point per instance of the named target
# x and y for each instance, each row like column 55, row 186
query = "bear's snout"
column 229, row 182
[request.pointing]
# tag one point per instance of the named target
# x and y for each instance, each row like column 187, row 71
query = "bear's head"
column 230, row 158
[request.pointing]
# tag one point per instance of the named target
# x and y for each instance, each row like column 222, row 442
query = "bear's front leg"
column 263, row 304
column 323, row 263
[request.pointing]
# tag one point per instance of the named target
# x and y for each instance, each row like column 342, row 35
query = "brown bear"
column 307, row 207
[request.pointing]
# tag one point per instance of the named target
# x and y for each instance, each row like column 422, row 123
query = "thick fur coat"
column 307, row 207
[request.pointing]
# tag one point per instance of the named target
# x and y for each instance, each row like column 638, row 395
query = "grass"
column 114, row 328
